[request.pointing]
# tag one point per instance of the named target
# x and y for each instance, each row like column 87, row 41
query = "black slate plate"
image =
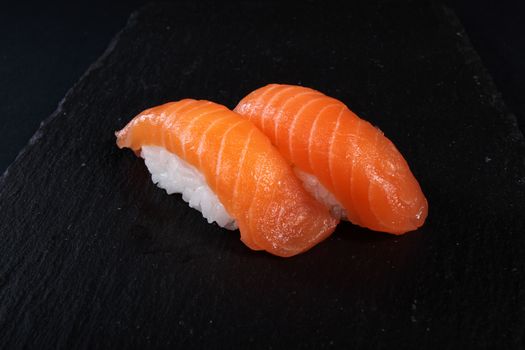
column 94, row 256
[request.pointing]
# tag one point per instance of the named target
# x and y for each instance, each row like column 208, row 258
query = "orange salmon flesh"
column 350, row 157
column 252, row 180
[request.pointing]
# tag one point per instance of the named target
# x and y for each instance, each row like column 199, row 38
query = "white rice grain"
column 175, row 175
column 312, row 184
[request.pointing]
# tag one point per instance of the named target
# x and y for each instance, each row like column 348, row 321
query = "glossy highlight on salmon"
column 352, row 159
column 253, row 182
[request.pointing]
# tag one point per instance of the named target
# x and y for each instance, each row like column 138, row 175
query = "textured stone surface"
column 93, row 255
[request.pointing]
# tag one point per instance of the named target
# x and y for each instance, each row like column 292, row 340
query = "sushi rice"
column 175, row 175
column 313, row 186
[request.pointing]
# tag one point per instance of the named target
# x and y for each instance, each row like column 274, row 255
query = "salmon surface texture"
column 253, row 182
column 348, row 156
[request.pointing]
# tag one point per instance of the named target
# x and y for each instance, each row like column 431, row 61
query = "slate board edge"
column 130, row 23
column 498, row 102
column 488, row 84
column 448, row 13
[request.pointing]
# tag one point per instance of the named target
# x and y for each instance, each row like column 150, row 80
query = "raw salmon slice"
column 349, row 157
column 254, row 183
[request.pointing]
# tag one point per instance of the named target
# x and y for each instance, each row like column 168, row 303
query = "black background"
column 46, row 47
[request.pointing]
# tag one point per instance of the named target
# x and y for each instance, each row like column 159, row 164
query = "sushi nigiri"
column 229, row 170
column 347, row 163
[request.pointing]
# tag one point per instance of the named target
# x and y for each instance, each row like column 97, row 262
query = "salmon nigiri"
column 349, row 163
column 229, row 170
